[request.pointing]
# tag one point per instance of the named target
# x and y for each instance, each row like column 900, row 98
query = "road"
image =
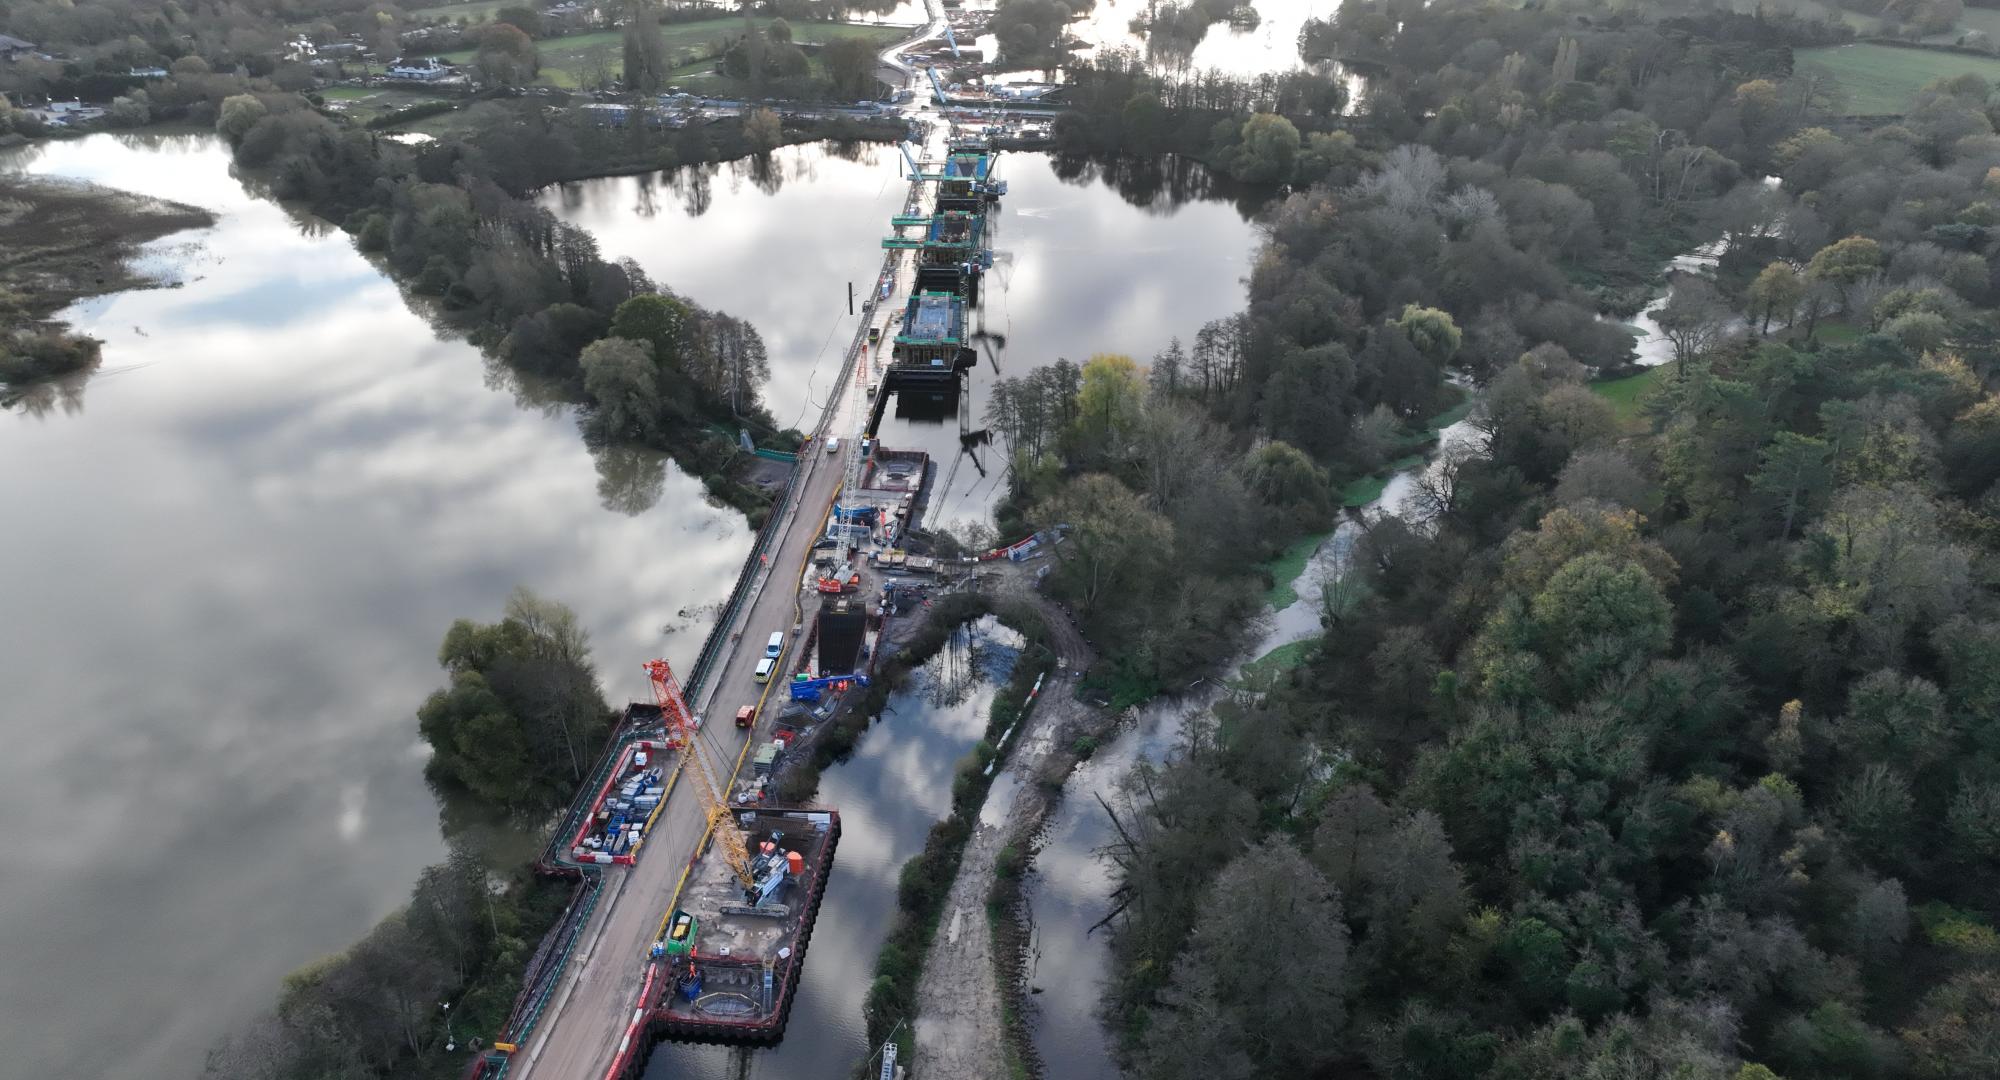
column 589, row 1012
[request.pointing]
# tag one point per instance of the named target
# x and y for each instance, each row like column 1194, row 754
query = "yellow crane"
column 682, row 734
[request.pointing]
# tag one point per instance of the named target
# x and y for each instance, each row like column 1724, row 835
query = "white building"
column 66, row 113
column 429, row 69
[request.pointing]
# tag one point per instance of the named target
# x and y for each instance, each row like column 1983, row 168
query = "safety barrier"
column 555, row 856
column 718, row 635
column 535, row 998
column 628, row 1044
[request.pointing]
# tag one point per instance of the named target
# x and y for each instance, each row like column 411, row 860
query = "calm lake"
column 233, row 551
column 1084, row 263
column 225, row 573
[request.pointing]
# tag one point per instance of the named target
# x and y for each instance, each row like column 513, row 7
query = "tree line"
column 450, row 220
column 1649, row 744
column 518, row 726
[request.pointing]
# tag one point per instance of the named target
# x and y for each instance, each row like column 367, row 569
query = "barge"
column 731, row 962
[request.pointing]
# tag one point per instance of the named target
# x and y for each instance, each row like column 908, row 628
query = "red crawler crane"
column 682, row 735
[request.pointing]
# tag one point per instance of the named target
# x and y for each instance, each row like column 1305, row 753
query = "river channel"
column 1069, row 888
column 1083, row 263
column 890, row 791
column 226, row 569
column 232, row 552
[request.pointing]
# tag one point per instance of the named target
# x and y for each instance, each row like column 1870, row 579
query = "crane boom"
column 682, row 734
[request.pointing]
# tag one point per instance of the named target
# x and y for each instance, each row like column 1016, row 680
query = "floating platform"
column 894, row 472
column 732, row 969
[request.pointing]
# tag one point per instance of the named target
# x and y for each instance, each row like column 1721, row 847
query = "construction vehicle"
column 836, row 580
column 682, row 735
column 680, row 937
column 769, row 869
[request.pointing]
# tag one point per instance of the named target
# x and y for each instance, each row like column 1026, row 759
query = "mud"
column 971, row 1021
column 63, row 241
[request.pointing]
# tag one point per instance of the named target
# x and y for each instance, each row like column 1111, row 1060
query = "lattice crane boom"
column 683, row 734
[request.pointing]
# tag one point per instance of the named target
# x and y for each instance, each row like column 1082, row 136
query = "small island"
column 65, row 241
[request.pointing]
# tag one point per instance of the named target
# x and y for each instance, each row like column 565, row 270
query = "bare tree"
column 1434, row 495
column 1694, row 319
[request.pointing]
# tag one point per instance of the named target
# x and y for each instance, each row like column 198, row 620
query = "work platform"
column 733, row 976
column 951, row 252
column 599, row 998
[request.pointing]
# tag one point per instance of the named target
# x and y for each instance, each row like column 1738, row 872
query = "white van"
column 833, row 445
column 776, row 646
column 764, row 668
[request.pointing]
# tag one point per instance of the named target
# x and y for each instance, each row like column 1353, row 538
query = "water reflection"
column 1244, row 52
column 1161, row 185
column 62, row 394
column 224, row 585
column 890, row 792
column 1090, row 257
column 630, row 479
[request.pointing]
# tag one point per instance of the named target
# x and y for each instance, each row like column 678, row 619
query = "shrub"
column 1949, row 928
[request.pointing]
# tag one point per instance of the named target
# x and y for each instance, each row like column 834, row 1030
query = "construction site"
column 696, row 888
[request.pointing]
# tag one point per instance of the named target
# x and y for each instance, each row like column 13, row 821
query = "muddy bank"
column 59, row 243
column 971, row 1020
column 62, row 241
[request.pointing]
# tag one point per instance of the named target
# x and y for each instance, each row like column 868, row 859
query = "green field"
column 1626, row 394
column 1266, row 668
column 1883, row 80
column 563, row 57
column 472, row 10
column 1287, row 567
column 367, row 103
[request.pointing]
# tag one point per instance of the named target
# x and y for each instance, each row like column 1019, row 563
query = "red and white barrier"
column 631, row 1039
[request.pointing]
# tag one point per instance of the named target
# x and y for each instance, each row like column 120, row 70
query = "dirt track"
column 959, row 1031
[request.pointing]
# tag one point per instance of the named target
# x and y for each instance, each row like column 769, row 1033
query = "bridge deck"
column 589, row 1013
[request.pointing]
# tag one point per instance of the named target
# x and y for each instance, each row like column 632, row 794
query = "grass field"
column 367, row 103
column 562, row 57
column 474, row 10
column 1286, row 568
column 1359, row 493
column 1883, row 80
column 1261, row 671
column 1626, row 394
